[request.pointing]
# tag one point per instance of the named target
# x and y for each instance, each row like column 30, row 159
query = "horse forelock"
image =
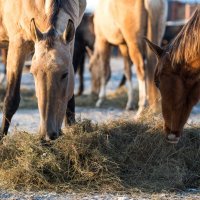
column 186, row 46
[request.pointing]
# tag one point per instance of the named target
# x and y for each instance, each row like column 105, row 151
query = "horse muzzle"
column 172, row 137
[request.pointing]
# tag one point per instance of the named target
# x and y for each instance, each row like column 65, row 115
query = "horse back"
column 15, row 16
column 113, row 17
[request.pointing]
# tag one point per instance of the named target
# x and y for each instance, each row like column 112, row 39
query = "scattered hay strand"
column 117, row 156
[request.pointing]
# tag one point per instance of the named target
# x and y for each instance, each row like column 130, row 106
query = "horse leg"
column 128, row 75
column 4, row 60
column 104, row 50
column 135, row 52
column 81, row 72
column 122, row 82
column 15, row 62
column 70, row 113
column 4, row 53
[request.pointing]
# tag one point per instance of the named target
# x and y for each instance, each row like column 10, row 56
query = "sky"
column 91, row 4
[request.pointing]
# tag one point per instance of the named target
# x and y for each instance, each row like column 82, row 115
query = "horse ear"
column 156, row 49
column 37, row 34
column 89, row 51
column 69, row 32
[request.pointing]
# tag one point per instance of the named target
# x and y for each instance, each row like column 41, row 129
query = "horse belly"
column 114, row 37
column 3, row 33
column 107, row 27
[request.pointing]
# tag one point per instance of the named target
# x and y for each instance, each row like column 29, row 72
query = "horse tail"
column 156, row 19
column 156, row 23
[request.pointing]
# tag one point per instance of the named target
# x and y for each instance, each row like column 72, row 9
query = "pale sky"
column 91, row 4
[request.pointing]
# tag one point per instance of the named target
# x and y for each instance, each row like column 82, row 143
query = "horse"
column 177, row 77
column 84, row 44
column 47, row 28
column 125, row 25
column 84, row 38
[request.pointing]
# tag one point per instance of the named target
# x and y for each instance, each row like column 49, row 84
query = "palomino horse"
column 177, row 77
column 125, row 24
column 46, row 27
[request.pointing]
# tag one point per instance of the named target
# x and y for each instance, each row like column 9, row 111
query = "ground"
column 28, row 119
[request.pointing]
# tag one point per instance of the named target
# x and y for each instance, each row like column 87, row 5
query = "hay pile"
column 118, row 156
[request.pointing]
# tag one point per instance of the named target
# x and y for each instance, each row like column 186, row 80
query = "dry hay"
column 120, row 156
column 116, row 99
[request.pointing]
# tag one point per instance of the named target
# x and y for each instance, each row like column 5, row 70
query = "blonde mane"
column 186, row 46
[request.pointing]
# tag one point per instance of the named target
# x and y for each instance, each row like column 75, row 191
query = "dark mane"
column 186, row 46
column 51, row 34
column 56, row 5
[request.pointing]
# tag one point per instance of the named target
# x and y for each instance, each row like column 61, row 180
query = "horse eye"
column 157, row 83
column 64, row 76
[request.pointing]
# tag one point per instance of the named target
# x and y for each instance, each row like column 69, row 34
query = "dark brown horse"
column 84, row 38
column 46, row 27
column 177, row 76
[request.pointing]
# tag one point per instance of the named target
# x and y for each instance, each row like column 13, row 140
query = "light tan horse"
column 46, row 27
column 177, row 76
column 124, row 23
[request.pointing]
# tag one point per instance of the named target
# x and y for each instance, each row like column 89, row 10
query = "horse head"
column 54, row 76
column 180, row 90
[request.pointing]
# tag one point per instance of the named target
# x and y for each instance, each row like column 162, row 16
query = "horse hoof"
column 99, row 103
column 79, row 93
column 139, row 113
column 129, row 107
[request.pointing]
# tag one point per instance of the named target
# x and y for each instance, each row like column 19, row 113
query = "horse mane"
column 186, row 46
column 54, row 8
